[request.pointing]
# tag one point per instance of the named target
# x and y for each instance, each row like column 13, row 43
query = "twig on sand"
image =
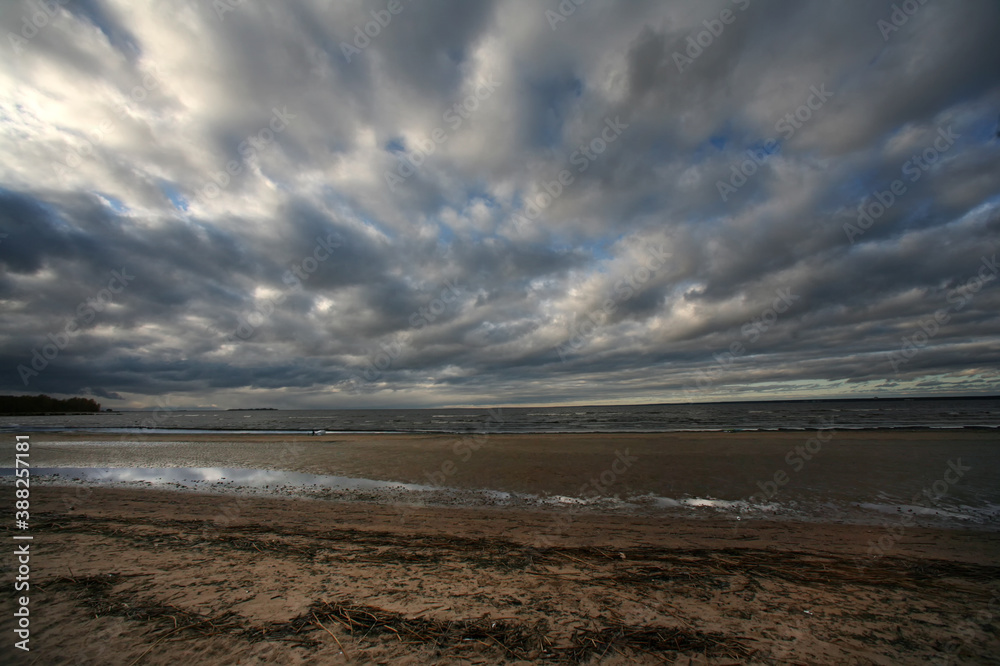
column 608, row 647
column 139, row 658
column 513, row 654
column 575, row 559
column 332, row 635
column 430, row 608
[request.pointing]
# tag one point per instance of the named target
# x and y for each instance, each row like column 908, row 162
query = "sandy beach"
column 728, row 466
column 129, row 575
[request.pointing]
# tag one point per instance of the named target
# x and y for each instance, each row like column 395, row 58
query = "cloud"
column 236, row 164
column 101, row 393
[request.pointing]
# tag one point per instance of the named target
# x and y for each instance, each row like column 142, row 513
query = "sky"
column 406, row 203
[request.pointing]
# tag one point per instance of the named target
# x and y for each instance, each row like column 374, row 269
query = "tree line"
column 20, row 404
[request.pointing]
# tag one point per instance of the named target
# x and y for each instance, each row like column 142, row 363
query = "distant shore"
column 21, row 414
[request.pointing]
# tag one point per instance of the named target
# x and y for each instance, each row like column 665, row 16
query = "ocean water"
column 763, row 416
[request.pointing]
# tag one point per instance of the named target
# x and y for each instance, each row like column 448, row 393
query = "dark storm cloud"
column 101, row 393
column 231, row 168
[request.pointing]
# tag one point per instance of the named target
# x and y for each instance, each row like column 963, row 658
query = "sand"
column 729, row 466
column 123, row 576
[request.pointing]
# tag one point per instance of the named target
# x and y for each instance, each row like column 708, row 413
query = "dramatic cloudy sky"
column 393, row 230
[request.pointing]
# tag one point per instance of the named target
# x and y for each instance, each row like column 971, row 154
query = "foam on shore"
column 286, row 484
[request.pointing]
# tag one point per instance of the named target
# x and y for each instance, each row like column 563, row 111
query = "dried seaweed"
column 367, row 624
column 621, row 638
column 96, row 594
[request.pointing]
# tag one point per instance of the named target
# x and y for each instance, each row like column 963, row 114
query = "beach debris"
column 334, row 636
column 656, row 641
column 354, row 623
column 518, row 640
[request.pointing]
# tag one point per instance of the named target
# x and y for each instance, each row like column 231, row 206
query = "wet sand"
column 124, row 576
column 728, row 466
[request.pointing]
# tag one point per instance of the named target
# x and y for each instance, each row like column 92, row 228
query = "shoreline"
column 405, row 498
column 552, row 463
column 864, row 478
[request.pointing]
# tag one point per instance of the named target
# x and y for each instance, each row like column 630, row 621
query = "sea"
column 883, row 483
column 844, row 414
